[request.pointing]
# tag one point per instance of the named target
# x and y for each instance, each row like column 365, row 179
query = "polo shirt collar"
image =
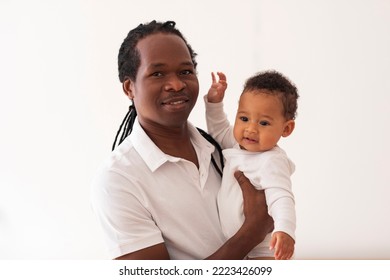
column 153, row 156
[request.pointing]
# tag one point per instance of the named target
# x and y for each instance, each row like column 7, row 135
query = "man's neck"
column 173, row 141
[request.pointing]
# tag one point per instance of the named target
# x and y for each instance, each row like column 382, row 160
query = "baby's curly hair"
column 275, row 83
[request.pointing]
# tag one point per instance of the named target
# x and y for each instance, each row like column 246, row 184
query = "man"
column 156, row 195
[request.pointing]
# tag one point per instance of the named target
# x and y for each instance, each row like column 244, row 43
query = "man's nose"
column 174, row 83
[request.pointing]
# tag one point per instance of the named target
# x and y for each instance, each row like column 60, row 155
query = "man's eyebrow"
column 161, row 64
column 188, row 63
column 156, row 65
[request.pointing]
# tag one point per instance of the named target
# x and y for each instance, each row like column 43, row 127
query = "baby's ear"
column 288, row 128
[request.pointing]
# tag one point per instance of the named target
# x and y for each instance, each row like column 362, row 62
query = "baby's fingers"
column 283, row 251
column 213, row 79
column 222, row 77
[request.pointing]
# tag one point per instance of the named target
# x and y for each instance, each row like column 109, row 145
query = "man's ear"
column 127, row 87
column 288, row 128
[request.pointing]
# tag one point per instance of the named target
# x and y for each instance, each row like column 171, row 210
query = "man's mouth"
column 175, row 102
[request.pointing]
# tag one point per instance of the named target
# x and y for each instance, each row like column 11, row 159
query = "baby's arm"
column 217, row 122
column 283, row 245
column 273, row 175
column 217, row 89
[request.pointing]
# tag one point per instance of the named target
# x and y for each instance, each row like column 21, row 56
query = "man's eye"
column 157, row 74
column 264, row 123
column 244, row 119
column 187, row 72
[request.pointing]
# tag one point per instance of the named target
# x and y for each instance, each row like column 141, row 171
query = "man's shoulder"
column 122, row 160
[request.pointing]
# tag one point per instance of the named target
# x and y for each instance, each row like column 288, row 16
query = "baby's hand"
column 283, row 245
column 217, row 89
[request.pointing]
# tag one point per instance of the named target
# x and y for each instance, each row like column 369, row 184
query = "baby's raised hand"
column 217, row 89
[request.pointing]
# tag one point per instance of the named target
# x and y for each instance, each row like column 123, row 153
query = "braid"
column 128, row 121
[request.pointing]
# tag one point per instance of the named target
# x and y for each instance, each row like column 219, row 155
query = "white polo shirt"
column 143, row 197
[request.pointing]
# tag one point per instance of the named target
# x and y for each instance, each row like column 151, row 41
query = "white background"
column 61, row 105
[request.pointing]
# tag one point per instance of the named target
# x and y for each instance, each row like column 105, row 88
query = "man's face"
column 166, row 86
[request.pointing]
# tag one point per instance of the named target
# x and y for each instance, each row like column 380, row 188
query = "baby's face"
column 260, row 122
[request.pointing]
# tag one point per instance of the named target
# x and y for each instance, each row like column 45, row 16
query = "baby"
column 266, row 112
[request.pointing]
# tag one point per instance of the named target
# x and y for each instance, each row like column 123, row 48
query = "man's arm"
column 256, row 226
column 155, row 252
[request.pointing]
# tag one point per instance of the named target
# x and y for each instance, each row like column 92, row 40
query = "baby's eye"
column 264, row 123
column 244, row 119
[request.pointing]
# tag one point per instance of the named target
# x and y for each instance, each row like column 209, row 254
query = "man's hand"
column 217, row 89
column 257, row 221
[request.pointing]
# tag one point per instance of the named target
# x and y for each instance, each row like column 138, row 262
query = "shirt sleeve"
column 275, row 178
column 218, row 125
column 127, row 225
